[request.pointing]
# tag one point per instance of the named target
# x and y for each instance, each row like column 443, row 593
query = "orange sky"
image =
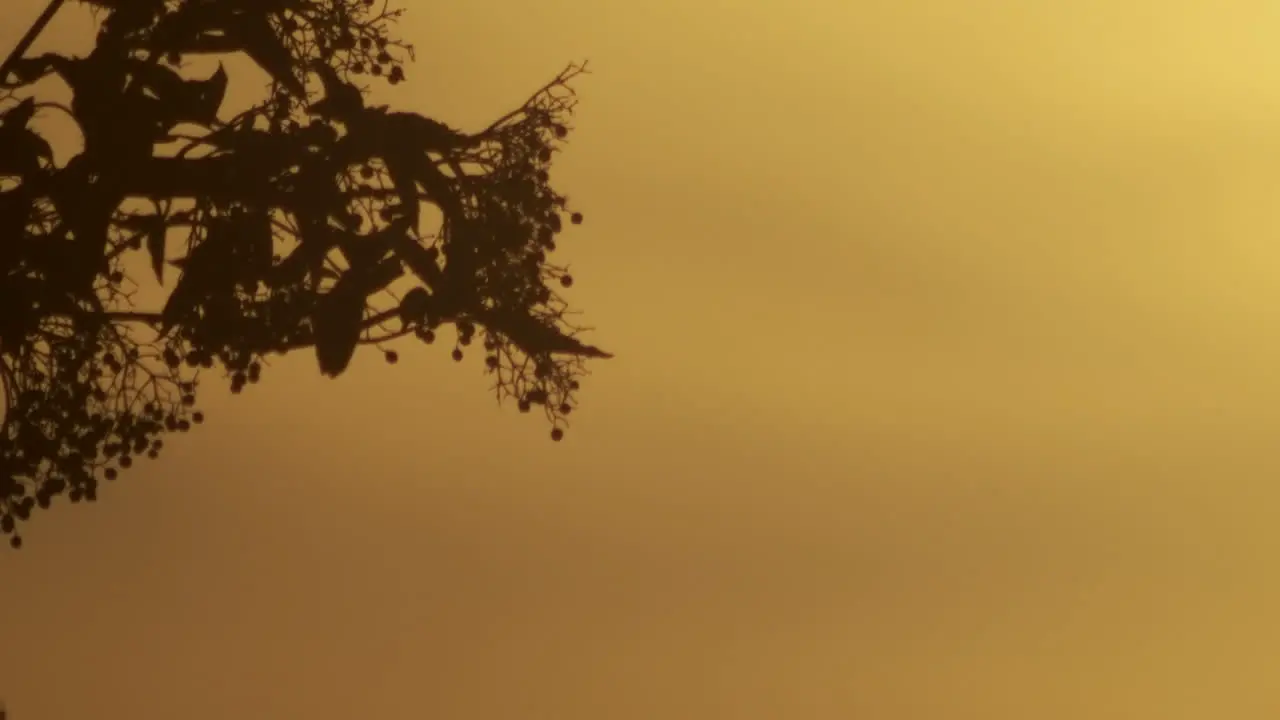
column 945, row 388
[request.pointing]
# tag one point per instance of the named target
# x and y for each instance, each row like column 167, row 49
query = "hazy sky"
column 947, row 339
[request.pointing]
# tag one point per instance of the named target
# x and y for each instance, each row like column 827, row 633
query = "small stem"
column 29, row 38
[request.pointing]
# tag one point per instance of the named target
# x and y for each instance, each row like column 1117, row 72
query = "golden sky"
column 947, row 339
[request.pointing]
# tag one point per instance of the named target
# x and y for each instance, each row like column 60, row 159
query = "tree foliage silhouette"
column 297, row 224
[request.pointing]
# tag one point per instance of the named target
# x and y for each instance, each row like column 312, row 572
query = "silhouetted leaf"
column 337, row 323
column 256, row 242
column 538, row 338
column 342, row 100
column 18, row 316
column 15, row 212
column 364, row 250
column 316, row 239
column 182, row 100
column 380, row 276
column 155, row 250
column 420, row 260
column 414, row 306
column 423, row 132
column 19, row 116
column 98, row 83
column 205, row 271
column 153, row 228
column 223, row 28
column 211, row 93
column 29, row 70
column 128, row 16
column 23, row 151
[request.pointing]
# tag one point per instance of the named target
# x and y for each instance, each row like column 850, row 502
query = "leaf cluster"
column 313, row 220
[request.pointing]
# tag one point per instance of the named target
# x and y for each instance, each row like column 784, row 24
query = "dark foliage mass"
column 298, row 224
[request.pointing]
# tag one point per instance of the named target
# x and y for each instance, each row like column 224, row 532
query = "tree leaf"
column 419, row 260
column 206, row 270
column 403, row 177
column 16, row 206
column 427, row 133
column 536, row 337
column 341, row 100
column 337, row 323
column 155, row 249
column 184, row 299
column 23, row 150
column 19, row 116
column 260, row 42
column 380, row 276
column 414, row 306
column 222, row 28
column 182, row 100
column 257, row 244
column 31, row 69
column 211, row 94
column 129, row 16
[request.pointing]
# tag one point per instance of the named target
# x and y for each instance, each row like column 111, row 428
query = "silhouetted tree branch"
column 301, row 223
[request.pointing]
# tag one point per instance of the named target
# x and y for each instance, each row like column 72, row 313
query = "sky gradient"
column 945, row 388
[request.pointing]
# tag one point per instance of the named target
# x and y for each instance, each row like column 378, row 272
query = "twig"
column 560, row 80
